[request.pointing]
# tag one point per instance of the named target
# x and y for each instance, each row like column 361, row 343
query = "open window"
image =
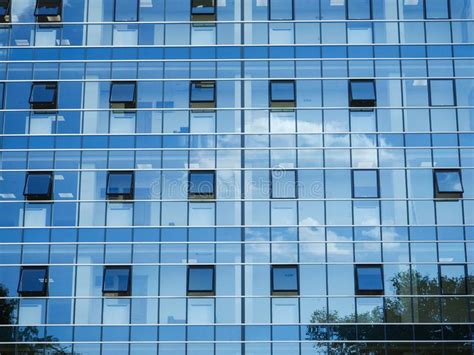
column 281, row 9
column 120, row 185
column 203, row 94
column 365, row 184
column 285, row 280
column 5, row 11
column 282, row 93
column 202, row 184
column 44, row 96
column 203, row 10
column 362, row 94
column 48, row 11
column 453, row 279
column 123, row 95
column 38, row 186
column 359, row 9
column 117, row 281
column 201, row 280
column 448, row 183
column 369, row 280
column 33, row 281
column 283, row 183
column 126, row 10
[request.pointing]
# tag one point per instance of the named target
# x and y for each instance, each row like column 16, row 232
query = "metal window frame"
column 51, row 106
column 39, row 197
column 362, row 104
column 118, row 105
column 117, row 293
column 377, row 173
column 202, row 104
column 120, row 196
column 279, row 292
column 271, row 184
column 42, row 293
column 465, row 286
column 202, row 292
column 279, row 103
column 450, row 195
column 202, row 196
column 137, row 15
column 199, row 17
column 362, row 292
column 49, row 20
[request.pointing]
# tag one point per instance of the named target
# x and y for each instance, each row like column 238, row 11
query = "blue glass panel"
column 48, row 7
column 448, row 181
column 200, row 7
column 359, row 9
column 120, row 183
column 116, row 279
column 33, row 280
column 369, row 278
column 283, row 184
column 43, row 93
column 126, row 10
column 38, row 184
column 362, row 90
column 285, row 278
column 282, row 91
column 201, row 182
column 202, row 91
column 123, row 92
column 442, row 92
column 281, row 9
column 437, row 9
column 365, row 183
column 201, row 279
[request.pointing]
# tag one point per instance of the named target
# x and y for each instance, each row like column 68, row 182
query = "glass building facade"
column 237, row 177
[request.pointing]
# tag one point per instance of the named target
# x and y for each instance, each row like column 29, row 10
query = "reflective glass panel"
column 284, row 279
column 369, row 279
column 201, row 279
column 33, row 281
column 116, row 280
column 365, row 183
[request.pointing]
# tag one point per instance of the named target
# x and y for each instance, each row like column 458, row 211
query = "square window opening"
column 123, row 95
column 120, row 185
column 448, row 184
column 369, row 280
column 38, row 186
column 201, row 184
column 203, row 94
column 203, row 10
column 284, row 183
column 48, row 11
column 5, row 11
column 282, row 94
column 201, row 280
column 117, row 281
column 33, row 281
column 362, row 94
column 43, row 96
column 285, row 280
column 365, row 184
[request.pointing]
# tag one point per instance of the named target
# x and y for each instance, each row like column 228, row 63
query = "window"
column 359, row 10
column 44, row 96
column 362, row 93
column 283, row 183
column 448, row 183
column 33, row 281
column 365, row 184
column 203, row 10
column 281, row 9
column 38, row 186
column 285, row 280
column 437, row 9
column 201, row 184
column 453, row 279
column 117, row 281
column 120, row 185
column 126, row 10
column 203, row 94
column 5, row 11
column 123, row 95
column 442, row 93
column 201, row 280
column 48, row 11
column 369, row 280
column 282, row 93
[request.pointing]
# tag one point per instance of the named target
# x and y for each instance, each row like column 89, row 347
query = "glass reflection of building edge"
column 333, row 144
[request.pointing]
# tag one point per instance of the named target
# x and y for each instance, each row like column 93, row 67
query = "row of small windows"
column 123, row 95
column 201, row 280
column 202, row 184
column 48, row 11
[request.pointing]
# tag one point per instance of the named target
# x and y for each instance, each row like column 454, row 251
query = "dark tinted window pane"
column 201, row 279
column 43, row 93
column 120, row 183
column 38, row 184
column 281, row 9
column 359, row 9
column 202, row 91
column 48, row 7
column 284, row 184
column 437, row 9
column 282, row 91
column 285, row 278
column 2, row 90
column 4, row 6
column 116, row 279
column 33, row 280
column 123, row 92
column 453, row 279
column 448, row 181
column 203, row 7
column 362, row 90
column 201, row 182
column 369, row 278
column 365, row 183
column 126, row 10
